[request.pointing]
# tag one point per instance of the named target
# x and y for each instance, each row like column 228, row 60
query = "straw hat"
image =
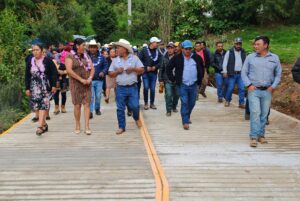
column 94, row 43
column 124, row 43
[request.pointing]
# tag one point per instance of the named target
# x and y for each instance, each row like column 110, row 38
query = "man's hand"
column 225, row 75
column 251, row 88
column 149, row 69
column 130, row 70
column 53, row 90
column 153, row 68
column 101, row 74
column 120, row 70
column 270, row 89
column 161, row 83
column 27, row 92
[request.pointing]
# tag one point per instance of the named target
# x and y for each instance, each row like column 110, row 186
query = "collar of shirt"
column 267, row 55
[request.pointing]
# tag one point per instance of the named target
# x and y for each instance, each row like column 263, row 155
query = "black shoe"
column 168, row 114
column 91, row 115
column 220, row 100
column 98, row 112
column 175, row 110
column 35, row 119
column 247, row 116
column 267, row 123
column 48, row 118
column 129, row 113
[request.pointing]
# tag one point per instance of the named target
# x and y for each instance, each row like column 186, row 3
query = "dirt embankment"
column 286, row 98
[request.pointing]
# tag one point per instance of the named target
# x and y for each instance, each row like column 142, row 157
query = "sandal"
column 107, row 100
column 45, row 128
column 39, row 131
column 120, row 131
column 88, row 132
column 77, row 132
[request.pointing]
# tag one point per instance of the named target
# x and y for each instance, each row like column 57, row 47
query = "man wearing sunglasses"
column 188, row 73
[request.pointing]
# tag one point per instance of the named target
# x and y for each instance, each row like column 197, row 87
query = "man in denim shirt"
column 261, row 74
column 101, row 67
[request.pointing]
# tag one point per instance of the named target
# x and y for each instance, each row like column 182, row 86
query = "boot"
column 63, row 109
column 56, row 110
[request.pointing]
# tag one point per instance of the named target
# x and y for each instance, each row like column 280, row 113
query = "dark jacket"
column 217, row 61
column 146, row 59
column 177, row 63
column 50, row 73
column 296, row 71
column 162, row 75
column 101, row 67
column 231, row 60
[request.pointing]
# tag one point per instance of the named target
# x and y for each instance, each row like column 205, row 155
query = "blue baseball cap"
column 187, row 44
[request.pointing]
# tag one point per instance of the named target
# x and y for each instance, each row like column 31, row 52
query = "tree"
column 103, row 20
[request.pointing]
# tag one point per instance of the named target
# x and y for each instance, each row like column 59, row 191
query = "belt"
column 237, row 72
column 262, row 88
column 131, row 85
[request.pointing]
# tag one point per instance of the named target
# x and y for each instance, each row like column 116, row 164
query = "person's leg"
column 192, row 98
column 230, row 87
column 175, row 94
column 265, row 105
column 168, row 97
column 98, row 92
column 77, row 113
column 153, row 79
column 241, row 89
column 87, row 117
column 42, row 117
column 63, row 102
column 139, row 84
column 183, row 91
column 255, row 113
column 204, row 83
column 133, row 102
column 121, row 104
column 146, row 87
column 219, row 83
column 93, row 96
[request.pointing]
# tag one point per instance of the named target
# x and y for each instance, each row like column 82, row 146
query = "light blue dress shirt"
column 262, row 71
column 189, row 71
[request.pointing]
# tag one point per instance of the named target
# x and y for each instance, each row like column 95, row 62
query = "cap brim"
column 125, row 46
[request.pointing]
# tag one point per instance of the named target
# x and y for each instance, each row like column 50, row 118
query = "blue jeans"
column 259, row 104
column 171, row 96
column 96, row 94
column 127, row 96
column 149, row 81
column 220, row 81
column 188, row 96
column 232, row 80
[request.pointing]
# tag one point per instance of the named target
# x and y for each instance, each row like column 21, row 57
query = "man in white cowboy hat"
column 101, row 68
column 150, row 56
column 126, row 67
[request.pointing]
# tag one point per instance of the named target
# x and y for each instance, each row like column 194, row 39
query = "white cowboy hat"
column 94, row 43
column 124, row 43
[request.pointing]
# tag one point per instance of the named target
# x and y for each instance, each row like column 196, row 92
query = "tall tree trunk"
column 165, row 23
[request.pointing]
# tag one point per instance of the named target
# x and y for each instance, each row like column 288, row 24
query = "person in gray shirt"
column 261, row 74
column 126, row 67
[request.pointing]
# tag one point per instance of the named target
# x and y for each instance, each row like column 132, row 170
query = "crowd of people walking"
column 181, row 68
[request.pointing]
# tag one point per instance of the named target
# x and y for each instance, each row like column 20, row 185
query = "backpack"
column 296, row 71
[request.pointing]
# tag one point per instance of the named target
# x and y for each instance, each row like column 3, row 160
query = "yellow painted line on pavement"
column 162, row 185
column 15, row 125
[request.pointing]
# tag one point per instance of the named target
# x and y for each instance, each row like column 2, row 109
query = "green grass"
column 285, row 40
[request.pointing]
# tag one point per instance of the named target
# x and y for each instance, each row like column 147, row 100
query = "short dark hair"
column 265, row 39
column 39, row 45
column 219, row 42
column 201, row 42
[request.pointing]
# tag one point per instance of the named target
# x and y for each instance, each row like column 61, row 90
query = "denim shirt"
column 100, row 65
column 189, row 71
column 262, row 71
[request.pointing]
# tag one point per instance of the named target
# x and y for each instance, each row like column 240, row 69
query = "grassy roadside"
column 285, row 40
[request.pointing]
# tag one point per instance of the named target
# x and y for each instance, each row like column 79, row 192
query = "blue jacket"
column 100, row 65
